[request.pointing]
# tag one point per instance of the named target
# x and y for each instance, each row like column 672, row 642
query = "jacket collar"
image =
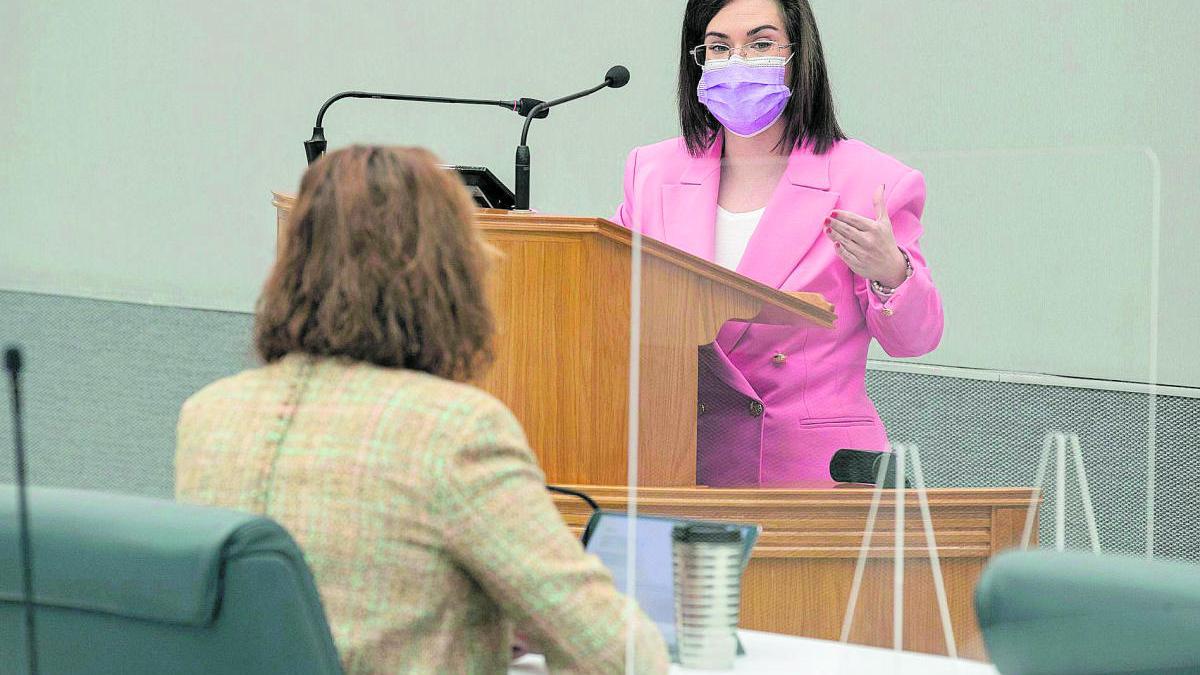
column 804, row 169
column 789, row 227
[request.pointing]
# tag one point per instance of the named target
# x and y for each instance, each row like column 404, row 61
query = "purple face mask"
column 745, row 95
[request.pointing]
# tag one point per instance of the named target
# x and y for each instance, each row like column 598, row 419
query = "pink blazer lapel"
column 690, row 206
column 790, row 225
column 792, row 221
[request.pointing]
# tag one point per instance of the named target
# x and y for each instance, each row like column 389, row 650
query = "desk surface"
column 772, row 654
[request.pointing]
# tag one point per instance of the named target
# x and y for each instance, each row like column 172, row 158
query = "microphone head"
column 617, row 77
column 12, row 360
column 862, row 466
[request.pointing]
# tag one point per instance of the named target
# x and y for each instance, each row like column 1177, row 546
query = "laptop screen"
column 607, row 537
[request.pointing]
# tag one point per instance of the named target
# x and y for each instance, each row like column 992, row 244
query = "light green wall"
column 142, row 139
column 1041, row 127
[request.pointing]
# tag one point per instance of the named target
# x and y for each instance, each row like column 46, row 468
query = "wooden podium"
column 562, row 295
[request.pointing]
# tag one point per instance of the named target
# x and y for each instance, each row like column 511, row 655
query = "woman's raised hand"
column 868, row 246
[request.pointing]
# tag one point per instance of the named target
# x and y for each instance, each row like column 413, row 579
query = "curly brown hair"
column 382, row 262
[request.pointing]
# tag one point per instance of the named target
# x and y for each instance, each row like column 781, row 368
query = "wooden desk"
column 799, row 578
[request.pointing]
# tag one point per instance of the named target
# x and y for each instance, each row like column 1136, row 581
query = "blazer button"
column 779, row 359
column 702, row 409
column 756, row 409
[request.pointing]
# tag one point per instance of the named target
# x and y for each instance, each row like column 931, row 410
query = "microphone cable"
column 575, row 493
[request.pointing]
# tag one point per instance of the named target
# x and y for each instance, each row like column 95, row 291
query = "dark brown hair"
column 381, row 261
column 809, row 115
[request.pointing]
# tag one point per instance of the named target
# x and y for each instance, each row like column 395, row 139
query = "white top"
column 771, row 654
column 733, row 234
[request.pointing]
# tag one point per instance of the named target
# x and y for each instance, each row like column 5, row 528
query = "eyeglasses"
column 718, row 51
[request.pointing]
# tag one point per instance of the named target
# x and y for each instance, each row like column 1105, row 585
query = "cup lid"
column 703, row 533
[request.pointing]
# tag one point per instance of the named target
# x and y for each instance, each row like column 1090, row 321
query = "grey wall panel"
column 104, row 382
column 983, row 433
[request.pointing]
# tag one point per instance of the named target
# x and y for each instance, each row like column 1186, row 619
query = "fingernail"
column 829, row 230
column 837, row 244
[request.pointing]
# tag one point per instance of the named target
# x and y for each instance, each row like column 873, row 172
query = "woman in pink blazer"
column 764, row 181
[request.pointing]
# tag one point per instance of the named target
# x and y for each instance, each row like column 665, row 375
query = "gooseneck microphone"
column 315, row 146
column 862, row 466
column 12, row 363
column 616, row 77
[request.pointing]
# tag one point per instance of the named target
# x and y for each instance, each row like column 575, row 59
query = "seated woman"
column 416, row 498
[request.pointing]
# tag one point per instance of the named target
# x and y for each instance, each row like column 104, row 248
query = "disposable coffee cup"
column 708, row 589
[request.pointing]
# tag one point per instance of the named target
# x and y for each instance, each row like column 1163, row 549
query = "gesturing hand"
column 868, row 246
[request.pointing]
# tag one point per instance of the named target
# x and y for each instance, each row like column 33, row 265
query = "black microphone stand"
column 12, row 363
column 315, row 146
column 522, row 177
column 616, row 77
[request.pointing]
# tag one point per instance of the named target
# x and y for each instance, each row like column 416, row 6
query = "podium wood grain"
column 800, row 574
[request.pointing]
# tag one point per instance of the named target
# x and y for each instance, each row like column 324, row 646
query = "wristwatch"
column 908, row 272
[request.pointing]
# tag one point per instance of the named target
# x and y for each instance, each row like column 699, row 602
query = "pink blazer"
column 776, row 402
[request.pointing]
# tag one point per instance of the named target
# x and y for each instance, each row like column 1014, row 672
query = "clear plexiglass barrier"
column 1022, row 401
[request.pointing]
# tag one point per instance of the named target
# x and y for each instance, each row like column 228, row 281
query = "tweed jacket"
column 421, row 511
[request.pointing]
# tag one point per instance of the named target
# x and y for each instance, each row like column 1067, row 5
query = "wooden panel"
column 606, row 390
column 801, row 572
column 680, row 311
column 536, row 292
column 809, row 597
column 1009, row 527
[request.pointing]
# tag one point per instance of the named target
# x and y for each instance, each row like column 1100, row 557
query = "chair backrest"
column 133, row 585
column 1047, row 612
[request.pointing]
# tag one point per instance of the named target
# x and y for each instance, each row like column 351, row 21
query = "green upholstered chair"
column 133, row 585
column 1048, row 612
